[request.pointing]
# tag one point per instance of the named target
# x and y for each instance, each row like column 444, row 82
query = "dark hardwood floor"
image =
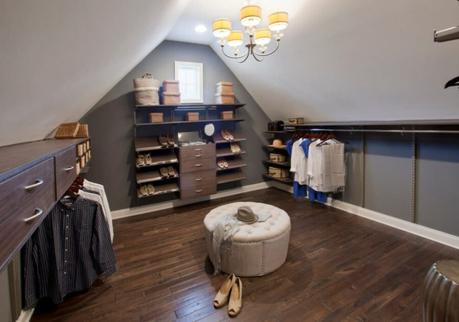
column 340, row 268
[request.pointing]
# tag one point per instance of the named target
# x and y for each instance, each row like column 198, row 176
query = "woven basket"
column 83, row 131
column 146, row 90
column 67, row 130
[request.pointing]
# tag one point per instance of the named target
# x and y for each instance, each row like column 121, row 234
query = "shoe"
column 171, row 171
column 223, row 293
column 140, row 160
column 235, row 301
column 230, row 135
column 225, row 164
column 162, row 140
column 235, row 148
column 143, row 191
column 225, row 135
column 170, row 141
column 151, row 189
column 221, row 164
column 164, row 172
column 148, row 159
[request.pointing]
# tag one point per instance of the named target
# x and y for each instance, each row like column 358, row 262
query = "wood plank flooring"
column 339, row 268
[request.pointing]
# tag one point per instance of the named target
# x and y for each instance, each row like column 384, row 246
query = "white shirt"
column 298, row 163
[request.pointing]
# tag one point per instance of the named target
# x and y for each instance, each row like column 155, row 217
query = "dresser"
column 197, row 171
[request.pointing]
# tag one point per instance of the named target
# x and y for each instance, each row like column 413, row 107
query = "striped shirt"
column 67, row 252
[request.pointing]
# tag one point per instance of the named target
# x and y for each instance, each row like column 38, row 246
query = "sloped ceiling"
column 347, row 59
column 59, row 57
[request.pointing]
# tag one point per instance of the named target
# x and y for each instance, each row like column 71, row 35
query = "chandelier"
column 258, row 45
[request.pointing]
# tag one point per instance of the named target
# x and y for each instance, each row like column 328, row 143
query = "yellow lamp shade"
column 235, row 39
column 263, row 36
column 278, row 21
column 250, row 15
column 221, row 28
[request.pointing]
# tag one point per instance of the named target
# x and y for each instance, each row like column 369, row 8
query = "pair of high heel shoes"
column 166, row 141
column 226, row 135
column 230, row 293
column 146, row 190
column 167, row 172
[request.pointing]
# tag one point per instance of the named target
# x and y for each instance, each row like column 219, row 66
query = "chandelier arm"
column 233, row 57
column 258, row 59
column 249, row 50
column 272, row 52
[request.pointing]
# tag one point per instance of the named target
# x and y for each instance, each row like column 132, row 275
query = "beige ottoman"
column 256, row 249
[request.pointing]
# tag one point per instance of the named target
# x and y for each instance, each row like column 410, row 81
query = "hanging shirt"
column 99, row 189
column 298, row 163
column 66, row 253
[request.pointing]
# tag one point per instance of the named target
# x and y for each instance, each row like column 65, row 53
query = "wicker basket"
column 146, row 90
column 192, row 116
column 224, row 98
column 83, row 131
column 67, row 130
column 227, row 115
column 156, row 117
column 225, row 88
column 171, row 86
column 171, row 98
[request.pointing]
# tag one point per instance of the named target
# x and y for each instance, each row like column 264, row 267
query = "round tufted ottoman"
column 256, row 249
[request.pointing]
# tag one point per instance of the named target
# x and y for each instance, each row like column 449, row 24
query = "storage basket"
column 83, row 131
column 225, row 88
column 276, row 157
column 156, row 117
column 224, row 98
column 146, row 90
column 277, row 172
column 171, row 86
column 67, row 130
column 171, row 98
column 192, row 116
column 227, row 115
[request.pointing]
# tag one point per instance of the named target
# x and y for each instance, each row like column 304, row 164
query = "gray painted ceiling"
column 59, row 57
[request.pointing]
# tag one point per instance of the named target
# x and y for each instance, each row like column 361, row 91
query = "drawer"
column 25, row 199
column 198, row 184
column 65, row 170
column 193, row 165
column 195, row 152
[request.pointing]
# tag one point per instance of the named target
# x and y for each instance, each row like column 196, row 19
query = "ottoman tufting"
column 256, row 249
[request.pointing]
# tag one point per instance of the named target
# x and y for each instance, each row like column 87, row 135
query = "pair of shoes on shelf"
column 145, row 190
column 167, row 172
column 143, row 160
column 222, row 164
column 166, row 141
column 235, row 148
column 226, row 134
column 230, row 292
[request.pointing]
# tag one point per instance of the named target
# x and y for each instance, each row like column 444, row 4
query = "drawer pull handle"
column 198, row 190
column 37, row 183
column 69, row 169
column 198, row 165
column 198, row 179
column 197, row 155
column 38, row 213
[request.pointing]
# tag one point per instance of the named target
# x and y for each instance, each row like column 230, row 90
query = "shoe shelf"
column 150, row 144
column 227, row 177
column 189, row 122
column 188, row 106
column 277, row 164
column 162, row 190
column 226, row 152
column 277, row 148
column 153, row 176
column 220, row 140
column 160, row 159
column 232, row 164
column 282, row 180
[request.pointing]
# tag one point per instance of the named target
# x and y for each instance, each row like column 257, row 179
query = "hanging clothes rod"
column 383, row 131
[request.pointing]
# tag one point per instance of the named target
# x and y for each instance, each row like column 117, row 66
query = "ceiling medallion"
column 259, row 37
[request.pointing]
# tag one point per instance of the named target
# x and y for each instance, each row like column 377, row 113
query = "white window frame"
column 198, row 67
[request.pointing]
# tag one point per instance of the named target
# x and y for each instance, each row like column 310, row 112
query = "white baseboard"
column 129, row 212
column 416, row 229
column 25, row 316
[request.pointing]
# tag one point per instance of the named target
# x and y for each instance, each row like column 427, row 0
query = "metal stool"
column 441, row 292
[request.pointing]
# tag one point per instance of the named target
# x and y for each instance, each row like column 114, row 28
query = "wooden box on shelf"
column 171, row 86
column 227, row 115
column 276, row 157
column 171, row 98
column 224, row 98
column 192, row 116
column 277, row 172
column 225, row 88
column 156, row 117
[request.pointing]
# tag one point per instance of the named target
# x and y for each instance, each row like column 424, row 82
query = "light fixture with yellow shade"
column 259, row 38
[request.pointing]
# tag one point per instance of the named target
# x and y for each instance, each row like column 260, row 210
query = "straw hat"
column 277, row 143
column 246, row 215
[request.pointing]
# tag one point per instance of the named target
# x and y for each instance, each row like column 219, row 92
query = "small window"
column 190, row 79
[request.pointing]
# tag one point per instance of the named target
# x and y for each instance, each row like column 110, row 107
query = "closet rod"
column 383, row 131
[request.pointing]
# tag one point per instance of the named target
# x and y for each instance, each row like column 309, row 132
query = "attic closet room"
column 191, row 160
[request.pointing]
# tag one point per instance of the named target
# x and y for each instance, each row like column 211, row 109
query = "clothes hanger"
column 452, row 82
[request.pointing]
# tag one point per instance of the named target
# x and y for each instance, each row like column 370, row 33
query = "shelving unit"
column 269, row 148
column 175, row 121
column 288, row 181
column 277, row 164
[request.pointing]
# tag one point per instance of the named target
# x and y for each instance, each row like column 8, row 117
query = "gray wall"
column 111, row 120
column 380, row 177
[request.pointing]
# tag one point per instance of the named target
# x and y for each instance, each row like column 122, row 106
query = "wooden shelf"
column 187, row 106
column 226, row 152
column 233, row 164
column 149, row 144
column 279, row 132
column 153, row 176
column 226, row 177
column 282, row 180
column 163, row 189
column 277, row 164
column 271, row 147
column 220, row 140
column 189, row 122
column 162, row 159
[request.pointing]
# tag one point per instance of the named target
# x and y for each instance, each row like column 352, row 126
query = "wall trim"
column 135, row 211
column 25, row 316
column 416, row 229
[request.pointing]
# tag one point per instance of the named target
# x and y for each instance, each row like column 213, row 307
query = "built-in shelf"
column 163, row 189
column 226, row 152
column 233, row 164
column 150, row 144
column 153, row 176
column 277, row 164
column 226, row 177
column 187, row 106
column 161, row 159
column 278, row 132
column 283, row 180
column 189, row 122
column 220, row 140
column 275, row 148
